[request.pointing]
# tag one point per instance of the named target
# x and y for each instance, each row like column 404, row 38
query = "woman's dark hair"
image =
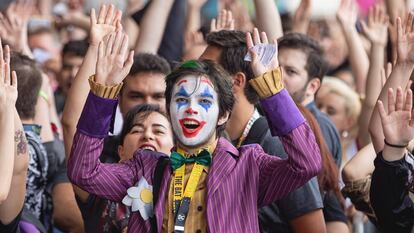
column 328, row 177
column 138, row 113
column 221, row 80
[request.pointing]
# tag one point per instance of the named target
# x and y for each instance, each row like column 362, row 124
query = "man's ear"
column 313, row 86
column 223, row 119
column 239, row 81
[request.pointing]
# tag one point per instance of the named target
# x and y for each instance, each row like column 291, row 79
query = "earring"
column 345, row 134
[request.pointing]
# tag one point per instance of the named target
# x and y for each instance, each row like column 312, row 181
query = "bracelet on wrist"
column 394, row 145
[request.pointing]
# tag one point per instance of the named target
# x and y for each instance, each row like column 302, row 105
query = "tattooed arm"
column 13, row 145
column 6, row 149
column 12, row 206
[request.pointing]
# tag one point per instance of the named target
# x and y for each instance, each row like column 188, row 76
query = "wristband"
column 44, row 95
column 393, row 145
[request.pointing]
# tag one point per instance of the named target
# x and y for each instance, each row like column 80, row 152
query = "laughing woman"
column 145, row 127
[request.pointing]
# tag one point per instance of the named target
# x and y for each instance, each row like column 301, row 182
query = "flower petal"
column 127, row 201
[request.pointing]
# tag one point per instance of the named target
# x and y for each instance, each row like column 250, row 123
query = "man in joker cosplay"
column 208, row 184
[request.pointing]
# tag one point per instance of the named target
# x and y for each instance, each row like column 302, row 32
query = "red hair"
column 328, row 177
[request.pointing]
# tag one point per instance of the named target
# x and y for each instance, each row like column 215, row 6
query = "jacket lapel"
column 224, row 161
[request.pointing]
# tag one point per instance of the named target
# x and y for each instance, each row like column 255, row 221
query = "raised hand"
column 376, row 30
column 13, row 24
column 405, row 40
column 224, row 21
column 113, row 62
column 257, row 67
column 8, row 80
column 108, row 21
column 301, row 18
column 347, row 13
column 397, row 124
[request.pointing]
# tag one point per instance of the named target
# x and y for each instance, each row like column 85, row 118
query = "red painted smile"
column 191, row 127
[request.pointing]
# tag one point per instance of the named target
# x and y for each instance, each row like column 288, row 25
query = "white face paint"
column 194, row 110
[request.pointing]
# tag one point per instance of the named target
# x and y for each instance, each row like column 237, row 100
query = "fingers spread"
column 256, row 37
column 109, row 14
column 391, row 101
column 14, row 79
column 408, row 101
column 102, row 14
column 249, row 40
column 381, row 110
column 264, row 38
column 400, row 100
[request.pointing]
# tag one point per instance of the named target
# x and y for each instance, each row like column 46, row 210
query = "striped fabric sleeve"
column 279, row 177
column 84, row 168
column 109, row 181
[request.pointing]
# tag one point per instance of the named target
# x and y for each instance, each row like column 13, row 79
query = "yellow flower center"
column 146, row 196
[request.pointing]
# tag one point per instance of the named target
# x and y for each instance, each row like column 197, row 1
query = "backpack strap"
column 158, row 175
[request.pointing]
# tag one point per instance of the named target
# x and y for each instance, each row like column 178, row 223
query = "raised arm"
column 193, row 16
column 302, row 17
column 13, row 145
column 152, row 26
column 392, row 178
column 107, row 22
column 8, row 97
column 347, row 17
column 268, row 18
column 397, row 124
column 278, row 177
column 399, row 76
column 13, row 26
column 84, row 168
column 376, row 32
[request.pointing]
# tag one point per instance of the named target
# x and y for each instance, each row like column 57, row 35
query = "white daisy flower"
column 139, row 198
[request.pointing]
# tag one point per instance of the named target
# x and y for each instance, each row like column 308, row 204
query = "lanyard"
column 182, row 198
column 249, row 125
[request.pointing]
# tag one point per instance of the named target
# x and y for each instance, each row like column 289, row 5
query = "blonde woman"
column 343, row 106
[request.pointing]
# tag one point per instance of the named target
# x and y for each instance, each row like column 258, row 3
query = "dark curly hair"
column 316, row 66
column 146, row 62
column 233, row 49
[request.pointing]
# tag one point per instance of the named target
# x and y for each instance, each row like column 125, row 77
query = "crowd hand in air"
column 114, row 62
column 257, row 39
column 405, row 40
column 224, row 21
column 13, row 24
column 377, row 28
column 108, row 21
column 397, row 123
column 8, row 80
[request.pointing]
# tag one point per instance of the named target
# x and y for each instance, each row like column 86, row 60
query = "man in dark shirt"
column 245, row 126
column 73, row 53
column 303, row 65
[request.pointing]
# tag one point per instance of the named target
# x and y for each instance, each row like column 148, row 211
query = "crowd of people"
column 206, row 116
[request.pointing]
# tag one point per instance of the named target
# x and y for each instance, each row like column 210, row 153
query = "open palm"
column 8, row 80
column 376, row 30
column 107, row 22
column 405, row 39
column 347, row 13
column 113, row 63
column 257, row 66
column 397, row 124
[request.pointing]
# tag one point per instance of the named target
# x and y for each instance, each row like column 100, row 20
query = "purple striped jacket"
column 239, row 180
